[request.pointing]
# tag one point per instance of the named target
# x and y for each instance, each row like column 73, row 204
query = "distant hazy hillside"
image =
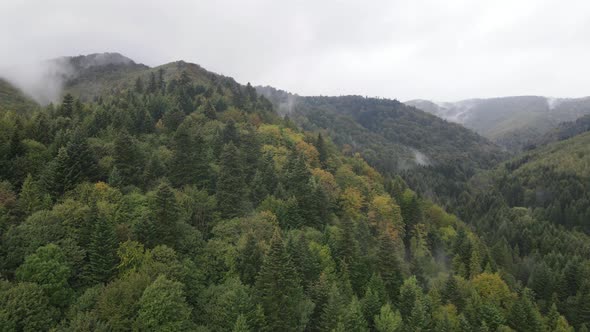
column 513, row 122
column 394, row 138
column 12, row 99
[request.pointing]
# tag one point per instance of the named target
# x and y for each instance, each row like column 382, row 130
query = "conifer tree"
column 354, row 319
column 389, row 267
column 115, row 179
column 55, row 178
column 152, row 85
column 166, row 214
column 67, row 106
column 15, row 146
column 230, row 134
column 524, row 315
column 82, row 165
column 333, row 310
column 139, row 85
column 388, row 320
column 411, row 304
column 161, row 82
column 411, row 214
column 241, row 324
column 265, row 179
column 249, row 260
column 450, row 293
column 231, row 187
column 126, row 158
column 371, row 306
column 102, row 252
column 209, row 110
column 296, row 179
column 322, row 150
column 189, row 162
column 278, row 288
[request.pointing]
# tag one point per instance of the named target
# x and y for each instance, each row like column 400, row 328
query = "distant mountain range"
column 512, row 122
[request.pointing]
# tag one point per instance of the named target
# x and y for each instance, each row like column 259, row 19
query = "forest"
column 183, row 201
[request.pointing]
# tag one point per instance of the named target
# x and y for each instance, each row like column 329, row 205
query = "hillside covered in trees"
column 182, row 201
column 434, row 156
column 533, row 211
column 552, row 180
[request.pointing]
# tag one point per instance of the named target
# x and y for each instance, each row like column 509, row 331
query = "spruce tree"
column 189, row 162
column 389, row 267
column 152, row 85
column 126, row 158
column 55, row 178
column 166, row 214
column 322, row 150
column 278, row 289
column 354, row 319
column 82, row 165
column 67, row 106
column 249, row 260
column 161, row 82
column 371, row 306
column 524, row 315
column 333, row 310
column 139, row 85
column 297, row 175
column 231, row 187
column 230, row 134
column 450, row 293
column 102, row 252
column 241, row 324
column 209, row 110
column 388, row 320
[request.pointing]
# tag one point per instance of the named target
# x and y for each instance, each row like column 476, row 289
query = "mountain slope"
column 553, row 181
column 181, row 208
column 436, row 157
column 513, row 122
column 12, row 99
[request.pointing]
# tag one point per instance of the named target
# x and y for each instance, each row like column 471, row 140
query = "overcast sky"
column 439, row 49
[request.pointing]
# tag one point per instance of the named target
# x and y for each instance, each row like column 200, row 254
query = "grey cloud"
column 443, row 50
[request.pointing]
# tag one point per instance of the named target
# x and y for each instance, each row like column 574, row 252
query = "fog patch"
column 553, row 102
column 287, row 106
column 420, row 158
column 42, row 81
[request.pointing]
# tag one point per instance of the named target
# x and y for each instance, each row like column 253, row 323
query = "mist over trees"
column 183, row 202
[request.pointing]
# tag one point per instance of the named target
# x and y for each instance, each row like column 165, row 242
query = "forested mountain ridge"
column 434, row 156
column 513, row 122
column 180, row 204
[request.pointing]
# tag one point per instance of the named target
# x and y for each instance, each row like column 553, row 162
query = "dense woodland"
column 435, row 157
column 185, row 203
